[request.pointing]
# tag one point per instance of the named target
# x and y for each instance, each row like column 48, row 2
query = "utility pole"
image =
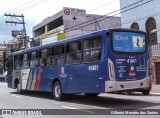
column 18, row 19
column 15, row 21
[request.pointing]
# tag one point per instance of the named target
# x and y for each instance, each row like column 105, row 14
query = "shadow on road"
column 105, row 101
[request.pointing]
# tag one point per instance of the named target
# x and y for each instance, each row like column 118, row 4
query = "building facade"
column 2, row 57
column 145, row 16
column 71, row 22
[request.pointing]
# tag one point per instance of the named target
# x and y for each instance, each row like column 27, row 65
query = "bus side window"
column 97, row 43
column 25, row 61
column 34, row 59
column 17, row 62
column 92, row 49
column 44, row 57
column 58, row 56
column 96, row 48
column 73, row 53
column 87, row 44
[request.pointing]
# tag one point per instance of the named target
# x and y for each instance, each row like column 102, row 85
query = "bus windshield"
column 128, row 42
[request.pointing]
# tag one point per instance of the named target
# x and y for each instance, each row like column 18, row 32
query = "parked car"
column 2, row 78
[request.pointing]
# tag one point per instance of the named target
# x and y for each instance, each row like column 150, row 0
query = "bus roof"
column 95, row 33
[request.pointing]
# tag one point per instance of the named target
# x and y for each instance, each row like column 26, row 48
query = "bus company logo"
column 62, row 70
column 132, row 73
column 63, row 73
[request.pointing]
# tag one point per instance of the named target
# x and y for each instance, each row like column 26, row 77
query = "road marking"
column 78, row 109
column 16, row 96
column 3, row 84
column 68, row 107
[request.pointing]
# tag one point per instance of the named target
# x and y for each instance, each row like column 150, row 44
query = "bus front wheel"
column 57, row 91
column 19, row 90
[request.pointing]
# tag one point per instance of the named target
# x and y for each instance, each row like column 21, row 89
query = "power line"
column 3, row 21
column 20, row 6
column 102, row 6
column 1, row 17
column 31, row 6
column 17, row 8
column 118, row 10
column 40, row 2
column 140, row 19
column 111, row 16
column 108, row 13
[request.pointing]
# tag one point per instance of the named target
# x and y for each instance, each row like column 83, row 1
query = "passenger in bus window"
column 137, row 42
column 95, row 53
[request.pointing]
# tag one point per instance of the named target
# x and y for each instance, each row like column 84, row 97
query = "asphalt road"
column 9, row 99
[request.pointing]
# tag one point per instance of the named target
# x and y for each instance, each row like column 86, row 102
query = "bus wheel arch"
column 16, row 83
column 57, row 90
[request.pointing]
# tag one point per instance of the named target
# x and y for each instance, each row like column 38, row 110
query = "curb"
column 154, row 93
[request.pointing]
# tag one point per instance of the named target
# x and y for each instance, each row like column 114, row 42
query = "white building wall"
column 92, row 23
column 140, row 14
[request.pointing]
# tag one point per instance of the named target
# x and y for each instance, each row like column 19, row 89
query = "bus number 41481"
column 93, row 68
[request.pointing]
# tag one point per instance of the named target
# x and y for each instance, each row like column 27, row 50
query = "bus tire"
column 19, row 90
column 127, row 92
column 91, row 94
column 145, row 92
column 57, row 91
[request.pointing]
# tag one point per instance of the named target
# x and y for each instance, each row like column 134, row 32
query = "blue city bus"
column 102, row 61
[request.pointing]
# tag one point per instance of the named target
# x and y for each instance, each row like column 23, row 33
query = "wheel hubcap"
column 57, row 91
column 18, row 87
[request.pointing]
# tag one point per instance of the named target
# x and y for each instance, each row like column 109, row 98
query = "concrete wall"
column 74, row 28
column 93, row 23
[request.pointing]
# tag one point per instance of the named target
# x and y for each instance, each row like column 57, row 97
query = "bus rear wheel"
column 145, row 92
column 57, row 91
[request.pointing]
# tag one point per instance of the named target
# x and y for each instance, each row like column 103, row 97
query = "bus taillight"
column 111, row 70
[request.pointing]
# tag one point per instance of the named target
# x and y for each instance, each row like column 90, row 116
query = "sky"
column 35, row 11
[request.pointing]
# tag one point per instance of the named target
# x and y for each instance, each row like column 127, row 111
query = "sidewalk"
column 155, row 89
